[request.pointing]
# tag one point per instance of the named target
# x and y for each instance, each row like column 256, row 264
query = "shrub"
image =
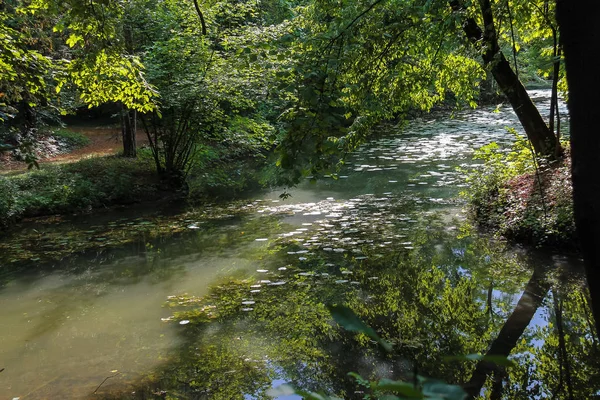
column 90, row 183
column 223, row 180
column 523, row 202
column 9, row 208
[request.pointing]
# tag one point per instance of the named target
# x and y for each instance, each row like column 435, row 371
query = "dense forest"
column 439, row 157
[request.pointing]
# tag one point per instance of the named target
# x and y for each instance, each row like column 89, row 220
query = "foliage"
column 71, row 139
column 222, row 180
column 104, row 181
column 235, row 165
column 9, row 207
column 207, row 96
column 344, row 69
column 57, row 56
column 487, row 180
column 89, row 58
column 68, row 188
column 341, row 70
column 524, row 198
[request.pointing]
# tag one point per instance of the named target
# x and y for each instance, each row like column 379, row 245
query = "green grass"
column 90, row 183
column 72, row 140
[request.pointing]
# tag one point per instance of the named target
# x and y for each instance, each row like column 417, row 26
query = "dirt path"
column 103, row 141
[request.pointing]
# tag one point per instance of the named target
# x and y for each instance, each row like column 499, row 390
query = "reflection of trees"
column 556, row 357
column 427, row 311
column 559, row 359
column 431, row 301
column 511, row 332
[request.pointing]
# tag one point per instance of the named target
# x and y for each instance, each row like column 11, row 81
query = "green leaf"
column 442, row 390
column 403, row 388
column 351, row 322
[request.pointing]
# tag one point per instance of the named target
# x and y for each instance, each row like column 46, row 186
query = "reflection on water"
column 223, row 302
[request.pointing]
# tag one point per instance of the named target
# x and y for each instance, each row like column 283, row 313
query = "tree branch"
column 201, row 17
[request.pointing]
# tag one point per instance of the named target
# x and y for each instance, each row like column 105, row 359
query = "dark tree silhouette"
column 581, row 42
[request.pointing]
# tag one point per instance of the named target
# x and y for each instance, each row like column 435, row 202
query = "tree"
column 52, row 50
column 366, row 62
column 209, row 92
column 579, row 40
column 486, row 41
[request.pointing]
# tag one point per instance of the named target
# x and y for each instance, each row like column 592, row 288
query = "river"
column 227, row 301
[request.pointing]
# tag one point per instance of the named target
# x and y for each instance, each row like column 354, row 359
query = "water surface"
column 228, row 301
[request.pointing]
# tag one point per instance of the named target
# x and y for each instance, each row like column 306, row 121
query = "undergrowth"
column 90, row 183
column 71, row 140
column 524, row 199
column 101, row 182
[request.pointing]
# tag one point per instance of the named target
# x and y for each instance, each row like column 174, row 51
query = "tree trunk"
column 541, row 138
column 128, row 116
column 128, row 130
column 580, row 41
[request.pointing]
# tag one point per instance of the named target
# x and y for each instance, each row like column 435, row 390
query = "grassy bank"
column 76, row 187
column 101, row 182
column 523, row 201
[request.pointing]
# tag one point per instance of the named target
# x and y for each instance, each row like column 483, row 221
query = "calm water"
column 227, row 302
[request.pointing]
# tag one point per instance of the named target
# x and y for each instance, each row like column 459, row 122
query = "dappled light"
column 298, row 200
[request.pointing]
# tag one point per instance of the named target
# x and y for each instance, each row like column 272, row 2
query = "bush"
column 224, row 180
column 9, row 208
column 487, row 181
column 90, row 183
column 521, row 202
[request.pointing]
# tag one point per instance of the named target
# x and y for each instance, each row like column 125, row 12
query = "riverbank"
column 521, row 200
column 92, row 183
column 106, row 181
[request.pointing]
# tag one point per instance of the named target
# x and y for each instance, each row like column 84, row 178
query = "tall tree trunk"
column 128, row 116
column 580, row 41
column 128, row 131
column 541, row 138
column 555, row 76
